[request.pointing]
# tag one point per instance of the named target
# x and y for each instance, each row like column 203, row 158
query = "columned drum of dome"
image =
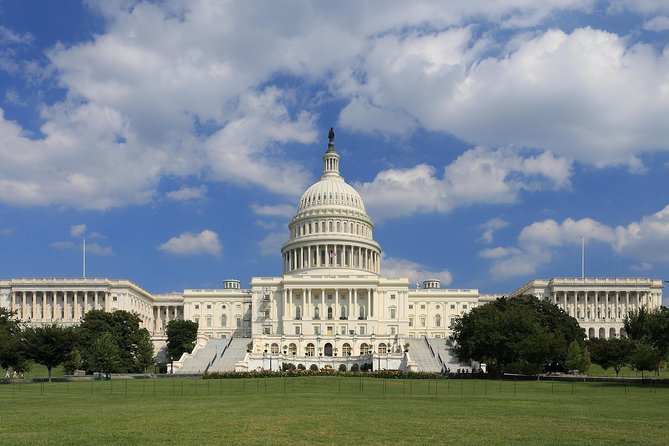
column 331, row 228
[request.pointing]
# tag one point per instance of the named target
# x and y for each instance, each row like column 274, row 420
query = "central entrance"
column 327, row 349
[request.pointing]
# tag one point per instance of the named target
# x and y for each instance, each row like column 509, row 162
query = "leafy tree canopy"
column 124, row 329
column 181, row 337
column 49, row 345
column 12, row 348
column 611, row 353
column 649, row 326
column 517, row 334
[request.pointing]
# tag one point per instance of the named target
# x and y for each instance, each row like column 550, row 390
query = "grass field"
column 327, row 410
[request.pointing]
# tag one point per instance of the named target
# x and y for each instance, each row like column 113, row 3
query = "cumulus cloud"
column 644, row 240
column 588, row 95
column 479, row 175
column 490, row 227
column 277, row 210
column 188, row 193
column 659, row 23
column 91, row 248
column 271, row 244
column 185, row 88
column 77, row 230
column 415, row 272
column 189, row 243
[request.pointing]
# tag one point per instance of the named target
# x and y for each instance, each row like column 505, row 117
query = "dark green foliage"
column 49, row 345
column 12, row 348
column 73, row 362
column 649, row 326
column 104, row 355
column 342, row 367
column 611, row 353
column 355, row 368
column 645, row 356
column 181, row 337
column 313, row 367
column 578, row 357
column 516, row 335
column 132, row 342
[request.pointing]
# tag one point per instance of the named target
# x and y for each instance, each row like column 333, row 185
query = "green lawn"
column 331, row 410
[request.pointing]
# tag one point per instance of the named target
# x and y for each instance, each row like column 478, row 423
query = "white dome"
column 331, row 191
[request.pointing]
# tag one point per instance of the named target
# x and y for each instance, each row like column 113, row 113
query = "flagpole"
column 582, row 257
column 84, row 257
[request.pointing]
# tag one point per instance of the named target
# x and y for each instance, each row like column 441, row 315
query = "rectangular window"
column 410, row 322
column 298, row 330
column 239, row 322
column 410, row 306
column 266, row 330
column 393, row 330
column 208, row 307
column 317, row 330
column 343, row 329
column 361, row 329
column 464, row 307
column 208, row 319
column 422, row 307
column 392, row 297
column 197, row 307
column 452, row 306
column 392, row 313
column 422, row 322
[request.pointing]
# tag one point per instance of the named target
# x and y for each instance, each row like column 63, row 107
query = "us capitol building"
column 331, row 305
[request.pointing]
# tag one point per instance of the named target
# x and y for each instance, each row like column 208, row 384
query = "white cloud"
column 278, row 210
column 77, row 230
column 139, row 94
column 189, row 243
column 490, row 227
column 589, row 95
column 188, row 193
column 271, row 244
column 415, row 272
column 63, row 245
column 479, row 175
column 7, row 36
column 644, row 240
column 658, row 23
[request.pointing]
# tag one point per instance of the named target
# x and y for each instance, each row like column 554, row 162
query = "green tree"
column 144, row 357
column 12, row 346
column 73, row 362
column 181, row 337
column 518, row 334
column 645, row 356
column 124, row 328
column 104, row 355
column 49, row 345
column 611, row 353
column 578, row 357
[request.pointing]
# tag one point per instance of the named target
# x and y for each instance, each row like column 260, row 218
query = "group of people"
column 16, row 375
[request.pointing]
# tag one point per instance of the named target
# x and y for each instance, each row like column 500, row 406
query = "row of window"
column 331, row 226
column 438, row 307
column 423, row 321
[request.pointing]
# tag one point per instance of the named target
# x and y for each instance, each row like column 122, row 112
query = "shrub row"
column 390, row 374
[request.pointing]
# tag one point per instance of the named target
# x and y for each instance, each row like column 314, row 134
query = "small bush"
column 301, row 367
column 342, row 367
column 355, row 368
column 313, row 367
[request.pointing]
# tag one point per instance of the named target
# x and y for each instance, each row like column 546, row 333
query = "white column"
column 44, row 315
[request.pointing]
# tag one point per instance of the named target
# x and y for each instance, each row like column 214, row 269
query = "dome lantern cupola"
column 331, row 158
column 331, row 229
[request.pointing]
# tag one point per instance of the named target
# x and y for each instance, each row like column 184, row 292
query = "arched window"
column 346, row 349
column 196, row 319
column 292, row 348
column 224, row 321
column 437, row 320
column 364, row 349
column 317, row 314
column 363, row 313
column 383, row 349
column 298, row 312
column 311, row 350
column 343, row 312
column 329, row 312
column 274, row 349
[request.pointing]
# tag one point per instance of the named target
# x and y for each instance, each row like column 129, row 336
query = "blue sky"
column 485, row 137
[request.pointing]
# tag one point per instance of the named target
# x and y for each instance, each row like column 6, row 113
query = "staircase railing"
column 429, row 346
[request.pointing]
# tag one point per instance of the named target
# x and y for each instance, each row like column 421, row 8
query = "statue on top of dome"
column 331, row 134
